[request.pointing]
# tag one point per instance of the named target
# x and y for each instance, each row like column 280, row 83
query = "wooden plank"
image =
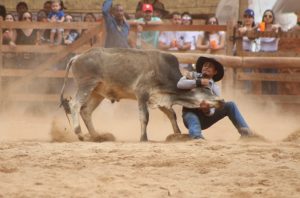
column 282, row 99
column 24, row 72
column 169, row 27
column 269, row 77
column 33, row 48
column 43, row 25
column 270, row 54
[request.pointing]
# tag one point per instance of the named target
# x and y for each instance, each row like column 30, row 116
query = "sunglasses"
column 268, row 16
column 26, row 18
column 212, row 22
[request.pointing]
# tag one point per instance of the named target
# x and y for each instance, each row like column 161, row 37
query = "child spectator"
column 21, row 8
column 211, row 41
column 56, row 15
column 47, row 7
column 70, row 35
column 43, row 34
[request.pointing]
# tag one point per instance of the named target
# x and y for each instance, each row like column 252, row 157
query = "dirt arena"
column 38, row 158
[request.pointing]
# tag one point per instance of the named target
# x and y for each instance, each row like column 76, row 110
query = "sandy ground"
column 32, row 165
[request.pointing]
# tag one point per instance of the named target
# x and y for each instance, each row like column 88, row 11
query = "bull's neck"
column 185, row 98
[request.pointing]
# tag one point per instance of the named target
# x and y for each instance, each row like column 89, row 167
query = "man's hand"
column 204, row 106
column 205, row 82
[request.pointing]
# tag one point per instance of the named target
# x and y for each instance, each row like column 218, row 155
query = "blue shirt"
column 116, row 35
column 58, row 15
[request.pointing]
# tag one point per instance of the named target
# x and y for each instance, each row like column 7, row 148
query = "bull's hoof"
column 102, row 137
column 177, row 137
column 144, row 138
column 81, row 137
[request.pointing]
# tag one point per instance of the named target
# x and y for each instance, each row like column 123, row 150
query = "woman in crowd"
column 269, row 44
column 21, row 8
column 212, row 41
column 26, row 36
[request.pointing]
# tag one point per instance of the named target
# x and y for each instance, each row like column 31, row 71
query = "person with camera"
column 209, row 71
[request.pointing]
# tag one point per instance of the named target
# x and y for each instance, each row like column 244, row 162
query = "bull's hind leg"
column 170, row 113
column 87, row 110
column 75, row 105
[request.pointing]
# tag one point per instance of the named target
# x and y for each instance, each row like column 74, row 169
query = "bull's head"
column 193, row 98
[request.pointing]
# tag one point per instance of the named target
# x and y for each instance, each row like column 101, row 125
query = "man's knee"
column 230, row 105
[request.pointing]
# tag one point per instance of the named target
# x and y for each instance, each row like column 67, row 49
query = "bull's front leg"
column 170, row 113
column 144, row 118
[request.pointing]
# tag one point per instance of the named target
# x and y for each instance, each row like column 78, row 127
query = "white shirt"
column 168, row 37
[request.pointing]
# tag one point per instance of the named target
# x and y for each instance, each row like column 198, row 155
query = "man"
column 158, row 8
column 174, row 40
column 208, row 72
column 149, row 37
column 117, row 29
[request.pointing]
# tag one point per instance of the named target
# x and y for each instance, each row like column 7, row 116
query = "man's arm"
column 106, row 7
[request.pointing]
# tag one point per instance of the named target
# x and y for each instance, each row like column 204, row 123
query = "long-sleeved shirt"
column 185, row 83
column 116, row 34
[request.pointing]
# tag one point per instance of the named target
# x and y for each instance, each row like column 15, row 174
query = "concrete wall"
column 193, row 6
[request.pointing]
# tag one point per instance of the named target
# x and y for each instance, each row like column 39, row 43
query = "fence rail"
column 58, row 52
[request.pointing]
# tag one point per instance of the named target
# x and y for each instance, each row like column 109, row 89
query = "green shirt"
column 150, row 37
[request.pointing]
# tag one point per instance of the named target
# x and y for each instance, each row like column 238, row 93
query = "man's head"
column 147, row 12
column 47, row 6
column 176, row 18
column 210, row 68
column 55, row 6
column 118, row 12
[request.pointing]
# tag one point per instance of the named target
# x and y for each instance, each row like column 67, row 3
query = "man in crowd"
column 117, row 29
column 148, row 37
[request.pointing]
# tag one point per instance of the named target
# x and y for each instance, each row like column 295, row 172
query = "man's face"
column 176, row 20
column 148, row 15
column 209, row 69
column 47, row 7
column 118, row 13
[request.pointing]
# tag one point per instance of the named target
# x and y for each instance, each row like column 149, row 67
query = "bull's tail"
column 64, row 102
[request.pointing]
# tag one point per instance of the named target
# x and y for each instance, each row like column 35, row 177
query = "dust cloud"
column 49, row 123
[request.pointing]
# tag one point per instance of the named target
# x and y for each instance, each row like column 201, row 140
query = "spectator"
column 2, row 12
column 47, row 7
column 149, row 37
column 21, row 8
column 176, row 40
column 70, row 35
column 9, row 35
column 192, row 35
column 90, row 17
column 43, row 34
column 56, row 15
column 117, row 29
column 249, row 25
column 269, row 44
column 158, row 9
column 26, row 36
column 211, row 41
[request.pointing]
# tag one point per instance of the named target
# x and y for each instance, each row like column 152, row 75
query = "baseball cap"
column 147, row 7
column 249, row 12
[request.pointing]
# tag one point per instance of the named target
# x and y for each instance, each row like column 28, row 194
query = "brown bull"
column 150, row 77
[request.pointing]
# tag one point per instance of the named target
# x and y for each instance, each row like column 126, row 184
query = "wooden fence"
column 43, row 69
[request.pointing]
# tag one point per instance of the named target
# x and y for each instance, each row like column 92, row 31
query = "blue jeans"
column 195, row 120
